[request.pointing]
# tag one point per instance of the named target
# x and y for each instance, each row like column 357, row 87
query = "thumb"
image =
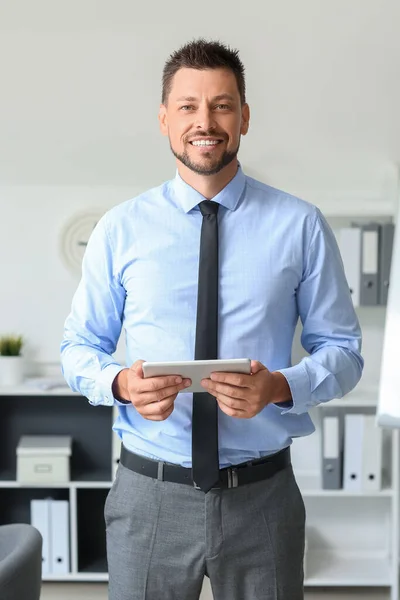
column 137, row 368
column 256, row 366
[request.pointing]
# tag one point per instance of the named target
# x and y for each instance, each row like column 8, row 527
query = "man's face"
column 204, row 119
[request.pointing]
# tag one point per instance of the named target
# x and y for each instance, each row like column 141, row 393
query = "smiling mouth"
column 205, row 143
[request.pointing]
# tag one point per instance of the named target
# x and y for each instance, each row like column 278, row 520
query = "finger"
column 153, row 384
column 137, row 368
column 222, row 388
column 165, row 415
column 158, row 409
column 256, row 366
column 233, row 379
column 160, row 417
column 231, row 407
column 158, row 395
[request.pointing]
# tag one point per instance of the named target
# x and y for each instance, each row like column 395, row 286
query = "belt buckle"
column 196, row 487
column 233, row 480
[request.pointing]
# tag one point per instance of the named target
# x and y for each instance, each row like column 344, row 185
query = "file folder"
column 40, row 518
column 372, row 455
column 331, row 452
column 353, row 451
column 369, row 292
column 386, row 238
column 59, row 519
column 350, row 250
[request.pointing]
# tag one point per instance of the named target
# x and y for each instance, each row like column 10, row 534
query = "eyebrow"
column 215, row 99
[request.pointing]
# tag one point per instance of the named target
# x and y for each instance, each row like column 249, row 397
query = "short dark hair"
column 201, row 54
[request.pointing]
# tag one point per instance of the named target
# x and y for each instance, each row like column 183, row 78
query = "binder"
column 369, row 292
column 372, row 455
column 353, row 452
column 40, row 518
column 350, row 249
column 331, row 452
column 386, row 238
column 59, row 536
column 305, row 569
column 116, row 446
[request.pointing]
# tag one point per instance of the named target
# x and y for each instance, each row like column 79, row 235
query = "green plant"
column 10, row 345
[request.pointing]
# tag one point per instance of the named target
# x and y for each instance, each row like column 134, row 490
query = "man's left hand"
column 244, row 396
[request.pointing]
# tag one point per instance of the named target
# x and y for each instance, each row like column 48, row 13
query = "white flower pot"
column 11, row 370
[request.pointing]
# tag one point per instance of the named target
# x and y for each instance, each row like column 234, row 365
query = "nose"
column 205, row 118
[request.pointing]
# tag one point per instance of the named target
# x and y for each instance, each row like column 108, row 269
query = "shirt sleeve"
column 331, row 332
column 93, row 327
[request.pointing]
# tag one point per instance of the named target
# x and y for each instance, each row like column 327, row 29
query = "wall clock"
column 74, row 238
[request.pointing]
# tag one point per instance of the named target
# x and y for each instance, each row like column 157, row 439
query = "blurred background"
column 80, row 87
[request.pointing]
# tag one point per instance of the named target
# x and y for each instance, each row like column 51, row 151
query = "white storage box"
column 44, row 459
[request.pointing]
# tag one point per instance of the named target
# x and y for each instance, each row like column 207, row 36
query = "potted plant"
column 11, row 360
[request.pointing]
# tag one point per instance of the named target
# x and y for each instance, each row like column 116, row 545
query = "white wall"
column 36, row 287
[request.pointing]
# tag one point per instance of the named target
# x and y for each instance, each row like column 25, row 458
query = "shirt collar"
column 229, row 196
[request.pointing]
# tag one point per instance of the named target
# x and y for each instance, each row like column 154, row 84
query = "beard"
column 213, row 167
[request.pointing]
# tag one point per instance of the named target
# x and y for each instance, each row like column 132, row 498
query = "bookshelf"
column 352, row 536
column 60, row 412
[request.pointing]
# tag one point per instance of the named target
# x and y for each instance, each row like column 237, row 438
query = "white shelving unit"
column 353, row 537
column 368, row 522
column 26, row 410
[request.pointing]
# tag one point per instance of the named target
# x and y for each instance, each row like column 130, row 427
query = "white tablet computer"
column 196, row 370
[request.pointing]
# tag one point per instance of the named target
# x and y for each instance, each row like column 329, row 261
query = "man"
column 243, row 527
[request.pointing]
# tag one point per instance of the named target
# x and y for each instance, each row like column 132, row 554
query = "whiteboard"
column 388, row 409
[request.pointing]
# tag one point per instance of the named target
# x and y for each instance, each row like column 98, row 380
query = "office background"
column 80, row 90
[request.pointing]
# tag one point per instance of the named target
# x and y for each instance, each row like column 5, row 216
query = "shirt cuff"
column 104, row 384
column 299, row 384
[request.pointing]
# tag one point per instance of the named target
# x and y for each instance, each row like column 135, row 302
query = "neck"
column 208, row 185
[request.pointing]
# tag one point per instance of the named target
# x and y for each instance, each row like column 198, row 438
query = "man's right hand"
column 152, row 397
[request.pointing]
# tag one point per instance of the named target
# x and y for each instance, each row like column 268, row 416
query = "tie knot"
column 208, row 207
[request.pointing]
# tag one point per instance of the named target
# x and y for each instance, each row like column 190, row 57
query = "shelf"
column 73, row 416
column 95, row 485
column 385, row 493
column 310, row 487
column 100, row 484
column 361, row 522
column 357, row 398
column 95, row 571
column 324, row 568
column 87, row 577
column 30, row 390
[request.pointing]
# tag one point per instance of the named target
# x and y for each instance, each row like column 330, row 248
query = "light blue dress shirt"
column 279, row 261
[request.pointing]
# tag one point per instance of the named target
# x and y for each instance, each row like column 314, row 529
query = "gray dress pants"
column 163, row 538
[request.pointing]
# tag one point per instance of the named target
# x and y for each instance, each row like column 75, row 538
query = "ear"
column 162, row 118
column 244, row 127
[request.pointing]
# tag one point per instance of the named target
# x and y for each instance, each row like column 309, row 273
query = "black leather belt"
column 230, row 477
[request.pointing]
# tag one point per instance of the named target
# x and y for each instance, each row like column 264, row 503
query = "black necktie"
column 205, row 462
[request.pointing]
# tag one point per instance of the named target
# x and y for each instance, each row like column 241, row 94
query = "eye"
column 187, row 107
column 222, row 106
